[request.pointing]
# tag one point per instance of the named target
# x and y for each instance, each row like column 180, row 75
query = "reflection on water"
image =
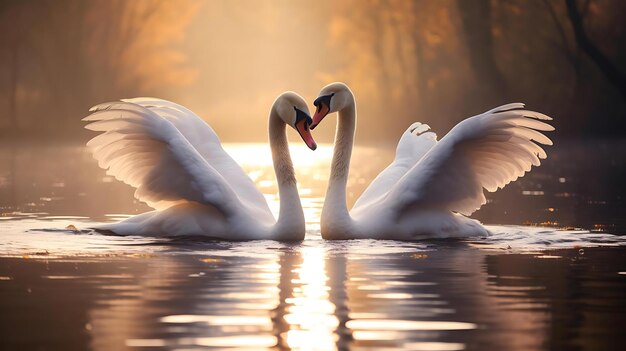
column 310, row 313
column 316, row 296
column 63, row 287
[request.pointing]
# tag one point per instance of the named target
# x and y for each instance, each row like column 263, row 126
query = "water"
column 527, row 287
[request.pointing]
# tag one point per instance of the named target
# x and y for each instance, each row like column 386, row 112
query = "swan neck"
column 344, row 141
column 290, row 223
column 335, row 215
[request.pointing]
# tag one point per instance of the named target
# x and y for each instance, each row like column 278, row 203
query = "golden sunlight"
column 259, row 155
column 140, row 199
column 311, row 170
column 311, row 315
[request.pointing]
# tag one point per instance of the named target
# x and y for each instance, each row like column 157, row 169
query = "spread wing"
column 206, row 142
column 146, row 151
column 485, row 151
column 413, row 145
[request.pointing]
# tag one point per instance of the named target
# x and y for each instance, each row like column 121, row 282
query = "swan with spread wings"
column 431, row 186
column 178, row 167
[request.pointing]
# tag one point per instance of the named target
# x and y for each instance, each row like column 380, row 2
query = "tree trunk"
column 476, row 20
column 610, row 71
column 14, row 67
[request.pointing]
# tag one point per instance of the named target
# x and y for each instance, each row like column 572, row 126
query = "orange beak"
column 303, row 129
column 319, row 115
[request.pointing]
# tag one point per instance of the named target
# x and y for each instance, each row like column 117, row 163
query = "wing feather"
column 413, row 145
column 148, row 152
column 486, row 151
column 204, row 139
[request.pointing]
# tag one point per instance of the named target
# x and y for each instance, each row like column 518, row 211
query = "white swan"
column 429, row 187
column 176, row 162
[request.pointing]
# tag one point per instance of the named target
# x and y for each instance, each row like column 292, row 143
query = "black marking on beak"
column 324, row 99
column 300, row 115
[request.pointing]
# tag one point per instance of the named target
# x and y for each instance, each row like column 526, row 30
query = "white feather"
column 480, row 152
column 431, row 185
column 178, row 167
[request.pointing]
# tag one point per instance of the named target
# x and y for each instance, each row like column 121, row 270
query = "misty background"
column 433, row 61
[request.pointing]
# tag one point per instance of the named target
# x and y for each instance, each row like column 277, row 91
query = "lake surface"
column 549, row 278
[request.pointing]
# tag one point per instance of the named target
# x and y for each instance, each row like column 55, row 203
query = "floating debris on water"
column 72, row 228
column 142, row 255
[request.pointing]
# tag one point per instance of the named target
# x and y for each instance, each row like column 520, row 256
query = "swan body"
column 431, row 186
column 178, row 167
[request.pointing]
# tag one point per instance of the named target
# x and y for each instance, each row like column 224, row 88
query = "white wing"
column 485, row 151
column 202, row 137
column 413, row 145
column 146, row 151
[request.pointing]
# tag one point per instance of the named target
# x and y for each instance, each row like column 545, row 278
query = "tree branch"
column 610, row 71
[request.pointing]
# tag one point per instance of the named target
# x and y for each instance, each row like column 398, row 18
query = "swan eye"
column 323, row 100
column 301, row 115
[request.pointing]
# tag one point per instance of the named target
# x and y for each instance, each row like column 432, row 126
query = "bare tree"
column 62, row 56
column 12, row 12
column 608, row 68
column 476, row 20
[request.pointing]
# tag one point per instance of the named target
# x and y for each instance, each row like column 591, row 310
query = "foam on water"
column 59, row 236
column 529, row 238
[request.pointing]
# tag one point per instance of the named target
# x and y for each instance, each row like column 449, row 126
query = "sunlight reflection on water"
column 315, row 295
column 310, row 313
column 500, row 292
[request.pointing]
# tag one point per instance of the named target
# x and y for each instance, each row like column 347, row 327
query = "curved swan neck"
column 344, row 140
column 290, row 223
column 336, row 219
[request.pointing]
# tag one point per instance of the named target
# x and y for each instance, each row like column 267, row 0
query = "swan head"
column 332, row 98
column 293, row 110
